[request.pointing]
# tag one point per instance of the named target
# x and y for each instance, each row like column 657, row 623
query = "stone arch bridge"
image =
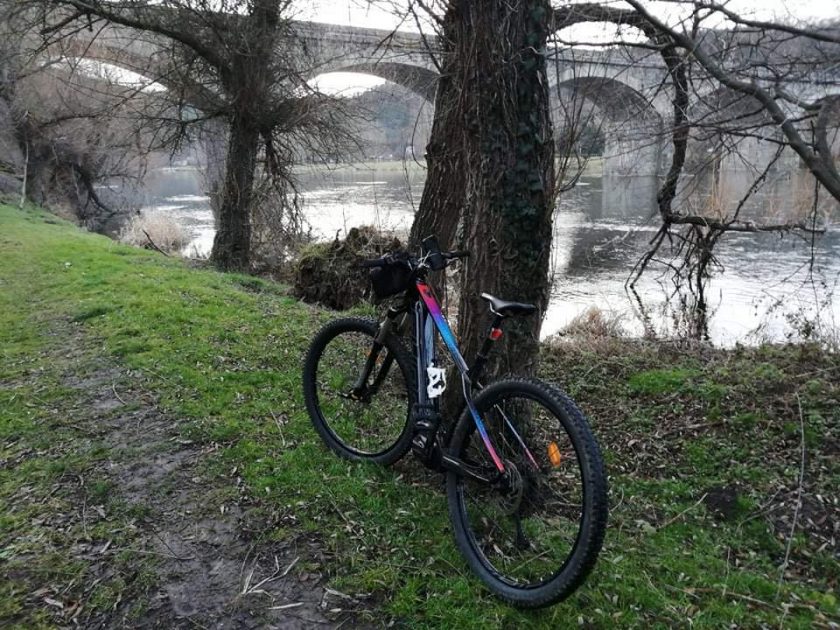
column 622, row 90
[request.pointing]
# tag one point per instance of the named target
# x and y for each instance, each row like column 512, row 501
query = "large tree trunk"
column 497, row 115
column 232, row 243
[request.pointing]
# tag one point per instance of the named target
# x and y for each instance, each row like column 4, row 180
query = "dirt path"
column 211, row 564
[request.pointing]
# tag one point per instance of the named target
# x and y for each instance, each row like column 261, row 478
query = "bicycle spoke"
column 359, row 402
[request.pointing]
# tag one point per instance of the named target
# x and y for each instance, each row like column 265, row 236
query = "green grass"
column 657, row 382
column 223, row 354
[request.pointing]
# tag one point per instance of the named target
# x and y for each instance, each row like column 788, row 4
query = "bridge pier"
column 723, row 169
column 639, row 148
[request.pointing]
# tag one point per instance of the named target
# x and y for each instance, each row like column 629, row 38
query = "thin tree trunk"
column 25, row 175
column 443, row 194
column 248, row 81
column 232, row 243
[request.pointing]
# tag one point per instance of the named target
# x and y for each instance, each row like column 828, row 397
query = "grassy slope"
column 224, row 354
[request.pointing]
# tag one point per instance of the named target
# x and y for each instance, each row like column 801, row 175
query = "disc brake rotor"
column 513, row 490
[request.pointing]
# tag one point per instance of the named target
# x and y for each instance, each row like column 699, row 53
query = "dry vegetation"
column 154, row 231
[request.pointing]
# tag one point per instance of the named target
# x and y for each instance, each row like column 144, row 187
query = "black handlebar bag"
column 390, row 279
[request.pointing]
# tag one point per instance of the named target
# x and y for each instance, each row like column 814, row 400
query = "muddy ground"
column 203, row 551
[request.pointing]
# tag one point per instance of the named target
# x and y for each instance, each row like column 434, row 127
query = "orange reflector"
column 554, row 454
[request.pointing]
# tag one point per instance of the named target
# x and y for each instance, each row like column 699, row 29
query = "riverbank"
column 381, row 166
column 153, row 428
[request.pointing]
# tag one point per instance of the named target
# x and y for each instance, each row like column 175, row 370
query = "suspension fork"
column 425, row 412
column 360, row 387
column 424, row 342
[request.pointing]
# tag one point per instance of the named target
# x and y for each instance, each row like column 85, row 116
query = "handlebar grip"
column 459, row 254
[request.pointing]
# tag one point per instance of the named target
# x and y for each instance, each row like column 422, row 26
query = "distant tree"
column 246, row 63
column 71, row 130
column 387, row 119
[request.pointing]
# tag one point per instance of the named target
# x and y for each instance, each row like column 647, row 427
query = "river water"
column 766, row 288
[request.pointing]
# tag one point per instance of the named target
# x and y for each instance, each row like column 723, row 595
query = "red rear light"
column 495, row 333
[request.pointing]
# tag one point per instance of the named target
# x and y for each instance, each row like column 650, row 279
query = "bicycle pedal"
column 427, row 451
column 420, row 442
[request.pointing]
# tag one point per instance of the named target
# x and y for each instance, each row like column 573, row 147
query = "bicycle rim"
column 523, row 533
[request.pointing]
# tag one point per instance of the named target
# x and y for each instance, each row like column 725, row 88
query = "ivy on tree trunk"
column 492, row 163
column 443, row 195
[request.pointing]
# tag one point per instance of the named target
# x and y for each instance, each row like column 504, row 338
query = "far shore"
column 593, row 168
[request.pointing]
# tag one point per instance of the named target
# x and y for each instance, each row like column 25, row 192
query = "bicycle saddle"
column 504, row 308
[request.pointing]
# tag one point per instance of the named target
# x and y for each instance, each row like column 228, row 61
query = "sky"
column 383, row 14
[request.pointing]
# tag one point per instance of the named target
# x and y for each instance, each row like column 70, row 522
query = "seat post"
column 494, row 333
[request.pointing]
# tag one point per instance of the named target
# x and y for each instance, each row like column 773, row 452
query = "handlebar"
column 376, row 262
column 414, row 263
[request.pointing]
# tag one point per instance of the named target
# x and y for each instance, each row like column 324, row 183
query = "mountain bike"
column 525, row 481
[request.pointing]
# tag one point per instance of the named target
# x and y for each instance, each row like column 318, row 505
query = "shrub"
column 154, row 231
column 595, row 323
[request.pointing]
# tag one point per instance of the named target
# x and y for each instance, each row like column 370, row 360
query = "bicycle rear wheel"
column 534, row 535
column 363, row 419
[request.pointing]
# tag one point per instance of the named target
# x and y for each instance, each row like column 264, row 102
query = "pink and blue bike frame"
column 426, row 321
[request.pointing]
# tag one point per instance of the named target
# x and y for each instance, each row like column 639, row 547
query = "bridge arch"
column 101, row 52
column 631, row 127
column 422, row 81
column 390, row 119
column 154, row 66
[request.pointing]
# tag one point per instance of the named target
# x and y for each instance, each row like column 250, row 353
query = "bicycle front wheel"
column 358, row 395
column 534, row 534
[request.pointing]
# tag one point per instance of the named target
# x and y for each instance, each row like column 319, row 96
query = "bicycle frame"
column 428, row 319
column 428, row 308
